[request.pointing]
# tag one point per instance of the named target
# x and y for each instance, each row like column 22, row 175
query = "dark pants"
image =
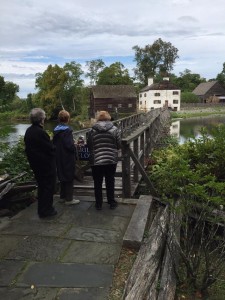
column 98, row 173
column 46, row 189
column 66, row 190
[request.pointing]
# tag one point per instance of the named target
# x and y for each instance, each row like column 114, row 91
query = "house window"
column 175, row 93
column 130, row 105
column 157, row 101
column 156, row 94
column 175, row 101
column 119, row 105
column 109, row 105
column 140, row 95
column 140, row 102
column 145, row 94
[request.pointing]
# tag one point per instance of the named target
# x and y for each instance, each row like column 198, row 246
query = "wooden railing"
column 140, row 134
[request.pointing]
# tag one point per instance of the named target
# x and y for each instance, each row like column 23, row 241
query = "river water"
column 183, row 129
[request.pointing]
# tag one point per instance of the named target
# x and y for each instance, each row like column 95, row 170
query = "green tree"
column 94, row 68
column 188, row 97
column 188, row 81
column 156, row 58
column 8, row 91
column 50, row 85
column 115, row 74
column 221, row 76
column 72, row 90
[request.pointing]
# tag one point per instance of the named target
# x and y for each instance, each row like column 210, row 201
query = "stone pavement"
column 69, row 256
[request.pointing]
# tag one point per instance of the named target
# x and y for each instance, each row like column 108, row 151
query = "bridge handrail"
column 127, row 124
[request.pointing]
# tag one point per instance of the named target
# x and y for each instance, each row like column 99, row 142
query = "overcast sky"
column 34, row 34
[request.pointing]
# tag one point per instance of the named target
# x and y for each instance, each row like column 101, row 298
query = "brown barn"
column 113, row 98
column 206, row 90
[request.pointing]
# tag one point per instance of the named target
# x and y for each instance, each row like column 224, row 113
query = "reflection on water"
column 186, row 129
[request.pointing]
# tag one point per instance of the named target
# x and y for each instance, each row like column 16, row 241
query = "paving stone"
column 8, row 271
column 83, row 294
column 66, row 275
column 28, row 293
column 96, row 220
column 37, row 228
column 92, row 252
column 93, row 234
column 39, row 249
column 8, row 243
column 121, row 210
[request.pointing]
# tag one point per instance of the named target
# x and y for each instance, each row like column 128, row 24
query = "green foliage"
column 188, row 97
column 15, row 162
column 94, row 68
column 156, row 58
column 115, row 74
column 188, row 81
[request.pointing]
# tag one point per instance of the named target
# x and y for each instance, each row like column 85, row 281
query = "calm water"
column 182, row 129
column 190, row 128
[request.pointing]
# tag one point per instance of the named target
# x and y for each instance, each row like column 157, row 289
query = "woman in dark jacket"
column 65, row 157
column 104, row 142
column 41, row 156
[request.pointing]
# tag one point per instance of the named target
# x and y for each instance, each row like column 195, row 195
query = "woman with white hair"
column 40, row 153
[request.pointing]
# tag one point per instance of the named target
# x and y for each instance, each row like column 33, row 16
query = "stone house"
column 156, row 95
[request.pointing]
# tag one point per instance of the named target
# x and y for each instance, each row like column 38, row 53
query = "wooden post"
column 126, row 173
column 136, row 179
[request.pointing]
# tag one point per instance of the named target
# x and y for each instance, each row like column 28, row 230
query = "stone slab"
column 8, row 243
column 28, row 293
column 135, row 230
column 92, row 252
column 84, row 294
column 37, row 228
column 66, row 275
column 94, row 234
column 9, row 269
column 39, row 249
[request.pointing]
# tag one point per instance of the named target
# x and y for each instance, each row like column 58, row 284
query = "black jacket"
column 40, row 151
column 103, row 142
column 65, row 152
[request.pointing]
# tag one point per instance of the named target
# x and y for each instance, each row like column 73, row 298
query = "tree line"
column 64, row 87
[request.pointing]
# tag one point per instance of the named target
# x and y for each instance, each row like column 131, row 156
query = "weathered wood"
column 136, row 228
column 146, row 266
column 6, row 189
column 167, row 280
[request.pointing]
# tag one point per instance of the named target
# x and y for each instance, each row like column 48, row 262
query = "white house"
column 156, row 95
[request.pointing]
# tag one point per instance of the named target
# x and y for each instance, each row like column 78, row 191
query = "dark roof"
column 163, row 85
column 203, row 88
column 113, row 91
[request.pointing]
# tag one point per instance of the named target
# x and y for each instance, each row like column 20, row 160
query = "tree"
column 8, row 91
column 72, row 91
column 188, row 97
column 158, row 57
column 188, row 81
column 221, row 76
column 94, row 67
column 51, row 86
column 115, row 74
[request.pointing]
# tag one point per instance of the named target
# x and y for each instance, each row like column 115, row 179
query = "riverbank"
column 189, row 112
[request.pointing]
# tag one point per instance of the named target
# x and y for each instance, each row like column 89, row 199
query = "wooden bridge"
column 140, row 134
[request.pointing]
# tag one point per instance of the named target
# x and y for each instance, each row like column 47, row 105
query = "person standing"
column 104, row 141
column 40, row 153
column 65, row 157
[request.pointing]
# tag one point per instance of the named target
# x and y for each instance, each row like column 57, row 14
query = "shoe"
column 98, row 206
column 113, row 204
column 72, row 202
column 51, row 214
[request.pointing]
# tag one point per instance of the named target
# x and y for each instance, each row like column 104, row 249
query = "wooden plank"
column 136, row 228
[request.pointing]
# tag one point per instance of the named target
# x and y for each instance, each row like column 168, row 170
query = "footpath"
column 69, row 256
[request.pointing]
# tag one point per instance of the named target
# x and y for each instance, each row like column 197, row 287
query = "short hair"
column 37, row 115
column 103, row 116
column 63, row 116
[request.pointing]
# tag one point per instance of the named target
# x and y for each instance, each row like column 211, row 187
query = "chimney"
column 150, row 81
